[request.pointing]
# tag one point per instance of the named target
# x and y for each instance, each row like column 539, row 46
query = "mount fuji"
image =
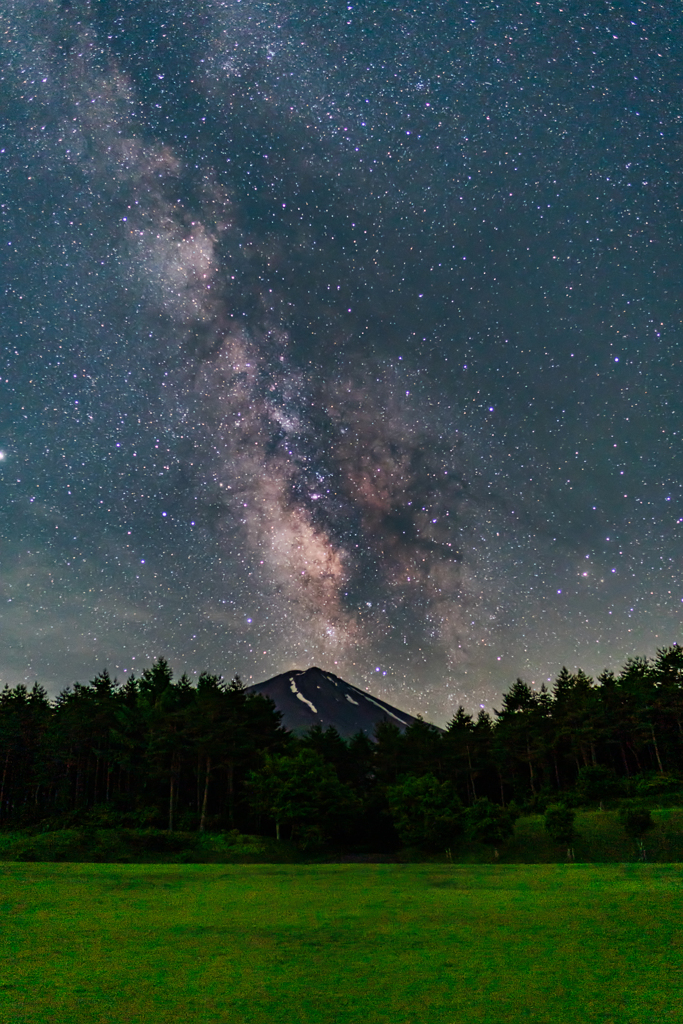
column 314, row 697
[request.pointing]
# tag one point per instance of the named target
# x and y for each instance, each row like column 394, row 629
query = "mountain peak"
column 315, row 697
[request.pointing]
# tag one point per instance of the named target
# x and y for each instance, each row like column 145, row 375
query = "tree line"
column 154, row 751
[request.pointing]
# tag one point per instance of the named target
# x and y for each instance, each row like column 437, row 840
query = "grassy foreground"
column 340, row 944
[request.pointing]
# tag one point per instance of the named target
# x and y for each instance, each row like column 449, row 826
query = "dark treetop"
column 165, row 752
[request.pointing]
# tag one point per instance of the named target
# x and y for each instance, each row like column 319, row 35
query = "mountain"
column 319, row 698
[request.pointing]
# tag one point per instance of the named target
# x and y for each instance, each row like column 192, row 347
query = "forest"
column 207, row 755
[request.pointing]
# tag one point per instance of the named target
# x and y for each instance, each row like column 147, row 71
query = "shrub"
column 304, row 793
column 559, row 823
column 425, row 812
column 597, row 782
column 152, row 840
column 488, row 823
column 653, row 785
column 636, row 821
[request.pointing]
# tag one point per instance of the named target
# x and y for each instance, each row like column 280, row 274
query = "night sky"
column 344, row 334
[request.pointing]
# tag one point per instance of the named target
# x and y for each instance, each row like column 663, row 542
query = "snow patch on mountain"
column 293, row 688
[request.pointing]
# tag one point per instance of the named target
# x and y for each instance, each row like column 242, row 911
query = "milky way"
column 339, row 334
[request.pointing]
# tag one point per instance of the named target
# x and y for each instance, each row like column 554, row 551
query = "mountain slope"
column 319, row 698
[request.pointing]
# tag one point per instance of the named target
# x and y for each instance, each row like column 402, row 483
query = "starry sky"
column 340, row 333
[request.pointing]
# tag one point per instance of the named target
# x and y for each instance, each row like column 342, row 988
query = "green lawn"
column 340, row 944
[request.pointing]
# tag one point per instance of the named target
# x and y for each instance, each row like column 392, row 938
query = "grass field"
column 340, row 944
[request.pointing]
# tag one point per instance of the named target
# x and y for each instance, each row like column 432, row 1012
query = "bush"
column 153, row 840
column 425, row 812
column 597, row 782
column 50, row 846
column 559, row 824
column 303, row 792
column 488, row 823
column 636, row 821
column 653, row 785
column 534, row 804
